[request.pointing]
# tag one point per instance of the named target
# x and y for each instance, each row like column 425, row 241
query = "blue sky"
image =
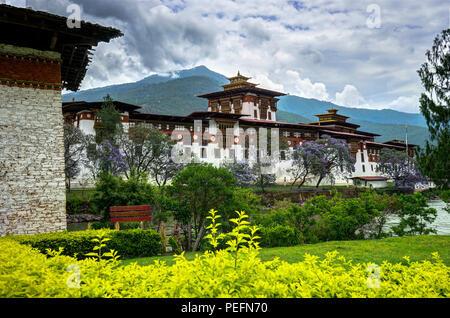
column 353, row 53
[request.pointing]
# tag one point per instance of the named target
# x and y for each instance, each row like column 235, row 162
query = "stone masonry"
column 32, row 185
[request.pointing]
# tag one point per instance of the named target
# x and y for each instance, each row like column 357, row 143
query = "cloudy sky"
column 353, row 53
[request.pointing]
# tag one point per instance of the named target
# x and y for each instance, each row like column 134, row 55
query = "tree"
column 162, row 167
column 74, row 146
column 336, row 157
column 111, row 190
column 434, row 160
column 307, row 160
column 397, row 165
column 242, row 171
column 148, row 150
column 200, row 188
column 263, row 179
column 108, row 125
column 103, row 158
column 267, row 157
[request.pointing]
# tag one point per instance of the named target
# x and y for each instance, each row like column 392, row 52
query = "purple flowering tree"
column 324, row 157
column 336, row 159
column 398, row 166
column 308, row 160
column 242, row 171
column 104, row 157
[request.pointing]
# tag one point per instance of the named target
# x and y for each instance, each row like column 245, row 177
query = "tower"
column 243, row 97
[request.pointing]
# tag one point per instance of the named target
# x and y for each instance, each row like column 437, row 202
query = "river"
column 442, row 222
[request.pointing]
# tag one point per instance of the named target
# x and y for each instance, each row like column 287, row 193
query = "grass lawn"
column 375, row 251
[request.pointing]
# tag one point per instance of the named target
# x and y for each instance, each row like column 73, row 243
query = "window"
column 364, row 168
column 204, row 155
column 255, row 113
column 179, row 127
column 270, row 116
column 362, row 157
column 283, row 155
column 371, row 167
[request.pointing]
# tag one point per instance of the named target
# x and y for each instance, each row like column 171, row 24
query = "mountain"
column 309, row 107
column 133, row 90
column 175, row 94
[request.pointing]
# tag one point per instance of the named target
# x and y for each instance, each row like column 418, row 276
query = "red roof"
column 333, row 132
column 374, row 178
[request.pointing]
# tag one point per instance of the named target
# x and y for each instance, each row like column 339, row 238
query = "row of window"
column 296, row 134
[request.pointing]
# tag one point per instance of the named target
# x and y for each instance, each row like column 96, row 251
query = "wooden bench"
column 134, row 213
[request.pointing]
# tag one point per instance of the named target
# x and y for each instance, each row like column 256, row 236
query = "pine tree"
column 434, row 160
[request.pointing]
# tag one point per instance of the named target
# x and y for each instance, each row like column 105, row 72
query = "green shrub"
column 77, row 205
column 102, row 225
column 414, row 216
column 132, row 243
column 110, row 225
column 136, row 243
column 279, row 235
column 338, row 218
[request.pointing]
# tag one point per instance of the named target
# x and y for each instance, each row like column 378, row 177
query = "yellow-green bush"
column 24, row 272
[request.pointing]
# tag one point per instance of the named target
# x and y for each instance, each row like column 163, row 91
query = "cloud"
column 408, row 104
column 318, row 50
column 304, row 87
column 350, row 96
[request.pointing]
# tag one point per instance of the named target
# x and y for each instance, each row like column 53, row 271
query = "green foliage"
column 101, row 240
column 434, row 160
column 174, row 244
column 115, row 191
column 200, row 188
column 78, row 205
column 109, row 122
column 131, row 243
column 414, row 216
column 279, row 235
column 27, row 273
column 237, row 239
column 241, row 199
column 322, row 219
column 110, row 225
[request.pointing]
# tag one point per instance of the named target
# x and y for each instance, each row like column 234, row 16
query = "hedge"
column 128, row 244
column 25, row 272
column 77, row 205
column 279, row 235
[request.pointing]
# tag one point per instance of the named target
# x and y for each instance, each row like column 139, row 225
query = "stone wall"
column 32, row 185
